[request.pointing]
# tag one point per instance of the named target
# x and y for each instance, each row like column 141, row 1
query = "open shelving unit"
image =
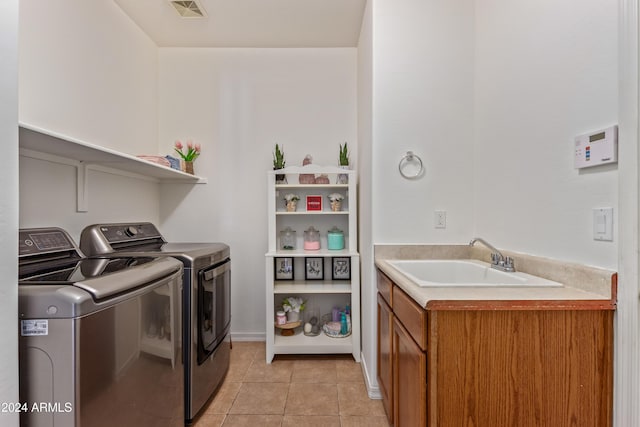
column 321, row 294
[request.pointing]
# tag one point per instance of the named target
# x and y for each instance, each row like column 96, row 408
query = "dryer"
column 206, row 299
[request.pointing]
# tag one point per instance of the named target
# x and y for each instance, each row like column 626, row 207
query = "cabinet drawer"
column 411, row 315
column 384, row 287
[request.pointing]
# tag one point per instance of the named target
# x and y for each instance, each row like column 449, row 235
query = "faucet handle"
column 495, row 258
column 508, row 263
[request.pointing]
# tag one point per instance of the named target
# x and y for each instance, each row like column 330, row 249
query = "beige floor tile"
column 314, row 371
column 261, row 354
column 277, row 371
column 312, row 399
column 354, row 400
column 253, row 421
column 224, row 398
column 309, row 390
column 364, row 421
column 349, row 371
column 245, row 350
column 311, row 421
column 260, row 399
column 237, row 369
column 210, row 420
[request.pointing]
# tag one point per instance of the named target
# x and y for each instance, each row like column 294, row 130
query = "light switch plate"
column 603, row 224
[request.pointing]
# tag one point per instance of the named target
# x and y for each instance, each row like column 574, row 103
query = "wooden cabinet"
column 385, row 355
column 409, row 379
column 494, row 367
column 524, row 368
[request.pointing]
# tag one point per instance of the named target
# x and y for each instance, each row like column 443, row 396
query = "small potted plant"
column 343, row 178
column 279, row 163
column 192, row 153
column 291, row 201
column 335, row 200
column 293, row 306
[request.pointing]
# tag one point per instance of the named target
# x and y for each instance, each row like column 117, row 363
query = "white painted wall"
column 545, row 72
column 490, row 94
column 366, row 215
column 87, row 71
column 9, row 209
column 238, row 103
column 48, row 197
column 627, row 345
column 423, row 102
column 421, row 97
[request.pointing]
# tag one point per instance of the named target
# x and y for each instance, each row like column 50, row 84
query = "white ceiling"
column 251, row 23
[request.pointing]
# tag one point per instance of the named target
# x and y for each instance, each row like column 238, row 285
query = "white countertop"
column 583, row 286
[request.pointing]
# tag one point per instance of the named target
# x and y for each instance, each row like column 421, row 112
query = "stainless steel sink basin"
column 466, row 272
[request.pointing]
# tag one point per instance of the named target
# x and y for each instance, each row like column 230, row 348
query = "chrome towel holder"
column 410, row 166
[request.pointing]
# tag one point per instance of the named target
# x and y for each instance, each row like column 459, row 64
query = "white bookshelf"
column 321, row 294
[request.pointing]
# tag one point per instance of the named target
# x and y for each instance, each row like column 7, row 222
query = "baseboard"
column 248, row 336
column 372, row 386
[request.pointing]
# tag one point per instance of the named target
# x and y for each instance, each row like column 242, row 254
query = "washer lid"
column 39, row 299
column 105, row 277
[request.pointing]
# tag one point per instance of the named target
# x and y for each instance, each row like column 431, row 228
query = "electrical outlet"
column 440, row 219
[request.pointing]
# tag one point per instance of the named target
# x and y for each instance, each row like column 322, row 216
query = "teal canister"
column 335, row 239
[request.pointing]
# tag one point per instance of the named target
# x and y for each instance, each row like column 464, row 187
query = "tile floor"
column 323, row 391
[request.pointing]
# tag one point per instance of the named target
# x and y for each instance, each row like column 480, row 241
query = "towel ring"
column 411, row 159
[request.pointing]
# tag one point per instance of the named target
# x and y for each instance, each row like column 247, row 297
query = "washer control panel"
column 44, row 240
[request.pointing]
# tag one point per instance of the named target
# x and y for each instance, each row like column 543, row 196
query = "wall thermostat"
column 596, row 148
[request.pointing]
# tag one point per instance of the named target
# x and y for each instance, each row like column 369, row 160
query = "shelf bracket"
column 82, row 189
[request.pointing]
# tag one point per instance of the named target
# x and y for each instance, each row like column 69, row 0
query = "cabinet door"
column 385, row 357
column 409, row 379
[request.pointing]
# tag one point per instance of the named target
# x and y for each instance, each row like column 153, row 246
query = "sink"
column 465, row 272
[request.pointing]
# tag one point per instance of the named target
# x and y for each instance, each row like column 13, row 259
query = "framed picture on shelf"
column 341, row 268
column 283, row 268
column 314, row 268
column 314, row 203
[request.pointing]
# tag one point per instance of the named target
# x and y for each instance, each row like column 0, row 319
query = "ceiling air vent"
column 189, row 9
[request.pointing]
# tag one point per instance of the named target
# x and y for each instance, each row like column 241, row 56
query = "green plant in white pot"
column 293, row 306
column 343, row 178
column 279, row 163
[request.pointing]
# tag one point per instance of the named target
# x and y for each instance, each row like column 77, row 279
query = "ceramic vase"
column 292, row 205
column 343, row 178
column 188, row 167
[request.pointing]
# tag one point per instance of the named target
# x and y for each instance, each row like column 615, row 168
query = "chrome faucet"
column 498, row 261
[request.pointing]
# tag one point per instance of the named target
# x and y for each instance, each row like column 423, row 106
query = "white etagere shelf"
column 304, row 287
column 321, row 344
column 47, row 145
column 323, row 293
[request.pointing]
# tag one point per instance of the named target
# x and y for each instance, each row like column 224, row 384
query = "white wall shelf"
column 47, row 145
column 322, row 294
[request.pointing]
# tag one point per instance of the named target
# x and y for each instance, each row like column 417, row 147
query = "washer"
column 206, row 299
column 98, row 341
